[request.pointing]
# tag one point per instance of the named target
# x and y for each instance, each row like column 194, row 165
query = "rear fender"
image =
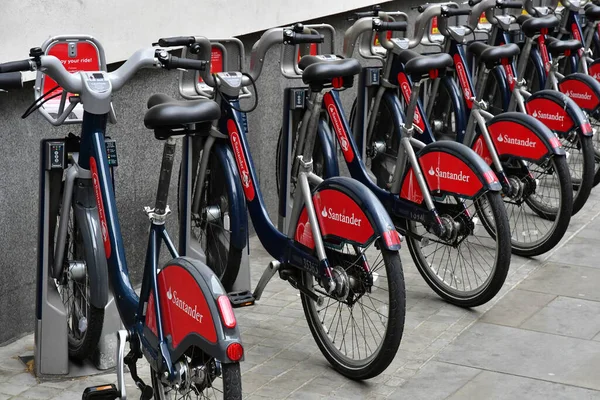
column 536, row 58
column 188, row 294
column 349, row 213
column 502, row 82
column 88, row 223
column 518, row 135
column 458, row 105
column 330, row 164
column 583, row 90
column 449, row 168
column 238, row 216
column 558, row 112
column 594, row 69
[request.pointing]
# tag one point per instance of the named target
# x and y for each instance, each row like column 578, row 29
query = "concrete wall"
column 136, row 176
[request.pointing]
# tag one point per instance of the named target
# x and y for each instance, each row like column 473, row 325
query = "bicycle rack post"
column 51, row 354
column 50, row 335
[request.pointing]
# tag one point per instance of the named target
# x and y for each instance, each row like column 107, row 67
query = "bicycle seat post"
column 159, row 213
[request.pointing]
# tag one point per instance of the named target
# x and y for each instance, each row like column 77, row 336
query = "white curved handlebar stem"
column 422, row 22
column 361, row 26
column 54, row 68
column 477, row 10
column 259, row 50
column 143, row 58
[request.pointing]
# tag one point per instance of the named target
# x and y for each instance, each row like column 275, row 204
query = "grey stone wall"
column 136, row 177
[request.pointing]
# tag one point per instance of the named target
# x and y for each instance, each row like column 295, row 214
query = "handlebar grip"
column 11, row 80
column 16, row 66
column 186, row 63
column 176, row 41
column 473, row 3
column 502, row 4
column 397, row 26
column 453, row 12
column 297, row 38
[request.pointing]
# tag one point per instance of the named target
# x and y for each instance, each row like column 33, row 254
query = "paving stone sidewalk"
column 538, row 339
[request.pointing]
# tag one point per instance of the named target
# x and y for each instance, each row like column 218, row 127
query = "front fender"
column 583, row 90
column 502, row 86
column 458, row 106
column 536, row 59
column 518, row 135
column 238, row 216
column 558, row 112
column 330, row 165
column 349, row 212
column 449, row 168
column 88, row 224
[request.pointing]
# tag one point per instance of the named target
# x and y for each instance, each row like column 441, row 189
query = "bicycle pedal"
column 101, row 392
column 241, row 299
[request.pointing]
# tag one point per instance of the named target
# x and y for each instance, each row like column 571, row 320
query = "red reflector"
column 391, row 238
column 337, row 82
column 490, row 177
column 235, row 351
column 544, row 31
column 555, row 142
column 567, row 53
column 586, row 128
column 226, row 312
column 505, row 61
column 434, row 73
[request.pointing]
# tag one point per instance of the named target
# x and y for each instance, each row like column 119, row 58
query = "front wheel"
column 209, row 379
column 359, row 330
column 84, row 321
column 468, row 267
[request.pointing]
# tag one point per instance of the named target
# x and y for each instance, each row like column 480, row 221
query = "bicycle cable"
column 34, row 106
column 253, row 87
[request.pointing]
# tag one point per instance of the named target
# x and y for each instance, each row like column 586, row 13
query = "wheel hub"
column 342, row 283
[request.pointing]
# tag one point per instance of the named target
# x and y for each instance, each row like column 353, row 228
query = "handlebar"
column 453, row 12
column 396, row 26
column 365, row 14
column 176, row 41
column 16, row 66
column 11, row 80
column 292, row 38
column 504, row 4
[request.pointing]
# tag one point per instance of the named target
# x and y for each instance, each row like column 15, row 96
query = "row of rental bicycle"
column 481, row 146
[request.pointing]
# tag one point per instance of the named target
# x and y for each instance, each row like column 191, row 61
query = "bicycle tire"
column 230, row 386
column 84, row 346
column 223, row 258
column 582, row 185
column 385, row 352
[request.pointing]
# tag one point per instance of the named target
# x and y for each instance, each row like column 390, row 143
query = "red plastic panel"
column 552, row 114
column 514, row 139
column 216, row 61
column 580, row 92
column 463, row 80
column 338, row 215
column 183, row 306
column 87, row 59
column 448, row 173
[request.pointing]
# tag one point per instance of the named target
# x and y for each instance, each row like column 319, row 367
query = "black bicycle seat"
column 592, row 12
column 418, row 65
column 559, row 47
column 532, row 26
column 319, row 72
column 493, row 55
column 165, row 114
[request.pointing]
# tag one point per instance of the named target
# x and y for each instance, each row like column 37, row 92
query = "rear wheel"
column 469, row 267
column 210, row 227
column 359, row 328
column 482, row 260
column 203, row 378
column 84, row 321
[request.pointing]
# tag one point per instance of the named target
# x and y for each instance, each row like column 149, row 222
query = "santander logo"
column 183, row 306
column 547, row 116
column 340, row 217
column 517, row 142
column 460, row 177
column 464, row 82
column 575, row 95
column 240, row 160
column 340, row 131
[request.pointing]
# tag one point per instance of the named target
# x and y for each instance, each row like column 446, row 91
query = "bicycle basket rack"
column 77, row 53
column 290, row 55
column 226, row 55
